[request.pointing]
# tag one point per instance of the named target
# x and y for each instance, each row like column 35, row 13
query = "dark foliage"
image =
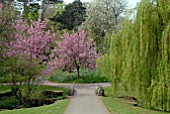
column 72, row 16
column 86, row 77
column 9, row 102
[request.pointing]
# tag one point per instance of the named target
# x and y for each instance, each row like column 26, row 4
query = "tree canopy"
column 72, row 16
column 103, row 16
column 139, row 56
column 75, row 51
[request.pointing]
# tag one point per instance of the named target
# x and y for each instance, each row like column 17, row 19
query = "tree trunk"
column 78, row 72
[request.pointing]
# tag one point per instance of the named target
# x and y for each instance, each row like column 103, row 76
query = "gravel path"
column 85, row 101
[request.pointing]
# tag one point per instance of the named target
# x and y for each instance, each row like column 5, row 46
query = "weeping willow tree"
column 139, row 55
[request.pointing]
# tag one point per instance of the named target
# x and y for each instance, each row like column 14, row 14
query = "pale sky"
column 131, row 3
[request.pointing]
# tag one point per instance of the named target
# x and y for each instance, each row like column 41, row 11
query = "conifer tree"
column 72, row 16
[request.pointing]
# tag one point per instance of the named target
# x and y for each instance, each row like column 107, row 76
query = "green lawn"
column 57, row 108
column 120, row 106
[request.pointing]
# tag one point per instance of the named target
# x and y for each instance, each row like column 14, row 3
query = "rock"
column 71, row 91
column 100, row 91
column 133, row 103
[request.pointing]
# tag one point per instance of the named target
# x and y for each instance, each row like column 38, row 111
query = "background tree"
column 72, row 16
column 73, row 52
column 7, row 19
column 7, row 30
column 54, row 10
column 32, row 13
column 46, row 4
column 103, row 16
column 29, row 9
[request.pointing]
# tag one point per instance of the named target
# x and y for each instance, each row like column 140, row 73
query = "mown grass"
column 57, row 108
column 121, row 106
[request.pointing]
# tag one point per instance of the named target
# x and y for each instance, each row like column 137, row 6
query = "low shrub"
column 38, row 102
column 9, row 102
column 6, row 94
column 52, row 94
column 7, row 79
column 86, row 76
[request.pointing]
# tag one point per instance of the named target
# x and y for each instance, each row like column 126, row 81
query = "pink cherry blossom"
column 32, row 40
column 74, row 51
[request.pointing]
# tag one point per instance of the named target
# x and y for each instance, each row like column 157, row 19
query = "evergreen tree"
column 72, row 16
column 31, row 12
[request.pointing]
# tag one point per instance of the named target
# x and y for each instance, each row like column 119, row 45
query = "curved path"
column 85, row 101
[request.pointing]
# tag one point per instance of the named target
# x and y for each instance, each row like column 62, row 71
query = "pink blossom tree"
column 32, row 40
column 73, row 51
column 30, row 48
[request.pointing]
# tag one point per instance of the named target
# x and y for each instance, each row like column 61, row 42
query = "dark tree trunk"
column 78, row 71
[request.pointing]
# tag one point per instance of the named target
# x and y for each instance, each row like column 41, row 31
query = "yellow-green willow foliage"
column 139, row 55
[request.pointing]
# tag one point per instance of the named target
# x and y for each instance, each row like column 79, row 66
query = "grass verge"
column 120, row 106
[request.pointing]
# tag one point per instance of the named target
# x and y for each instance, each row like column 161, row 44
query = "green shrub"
column 7, row 79
column 12, row 102
column 65, row 94
column 9, row 102
column 86, row 76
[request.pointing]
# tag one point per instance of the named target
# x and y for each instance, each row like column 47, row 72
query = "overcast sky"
column 131, row 3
